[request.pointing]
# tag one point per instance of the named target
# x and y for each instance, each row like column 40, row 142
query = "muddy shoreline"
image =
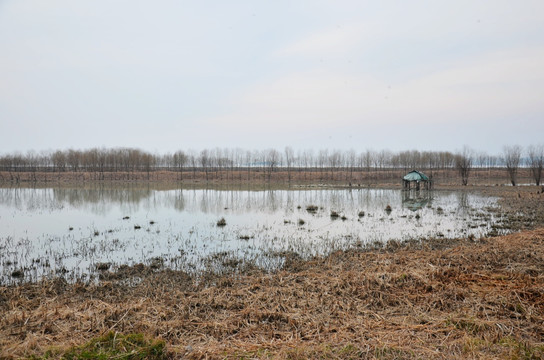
column 438, row 298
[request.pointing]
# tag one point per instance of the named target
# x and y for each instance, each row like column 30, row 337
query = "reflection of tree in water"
column 100, row 198
column 96, row 198
column 462, row 199
column 28, row 198
column 462, row 202
column 98, row 194
column 415, row 200
column 204, row 207
column 11, row 197
column 272, row 200
column 179, row 200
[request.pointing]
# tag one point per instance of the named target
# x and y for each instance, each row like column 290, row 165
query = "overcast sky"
column 168, row 75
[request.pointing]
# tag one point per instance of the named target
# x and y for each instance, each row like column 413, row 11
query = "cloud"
column 207, row 76
column 328, row 42
column 486, row 87
column 497, row 84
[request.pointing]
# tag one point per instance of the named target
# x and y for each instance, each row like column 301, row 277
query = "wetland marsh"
column 435, row 297
column 77, row 233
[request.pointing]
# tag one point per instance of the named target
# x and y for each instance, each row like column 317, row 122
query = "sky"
column 168, row 75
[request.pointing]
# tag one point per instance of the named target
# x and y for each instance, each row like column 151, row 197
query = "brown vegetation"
column 280, row 177
column 439, row 299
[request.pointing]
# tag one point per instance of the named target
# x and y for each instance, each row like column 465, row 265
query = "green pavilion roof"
column 415, row 175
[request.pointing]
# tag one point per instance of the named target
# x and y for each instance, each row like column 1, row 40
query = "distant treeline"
column 267, row 162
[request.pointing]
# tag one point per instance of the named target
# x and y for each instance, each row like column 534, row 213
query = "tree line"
column 330, row 164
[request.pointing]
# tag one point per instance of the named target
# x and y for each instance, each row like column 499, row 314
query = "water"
column 70, row 232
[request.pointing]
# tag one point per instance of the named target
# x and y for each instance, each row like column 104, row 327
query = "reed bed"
column 438, row 299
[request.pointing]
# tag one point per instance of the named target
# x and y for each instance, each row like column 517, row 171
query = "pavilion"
column 416, row 177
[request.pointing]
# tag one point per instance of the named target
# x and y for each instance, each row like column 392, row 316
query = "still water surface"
column 66, row 231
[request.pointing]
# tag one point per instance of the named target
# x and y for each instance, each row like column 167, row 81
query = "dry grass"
column 432, row 300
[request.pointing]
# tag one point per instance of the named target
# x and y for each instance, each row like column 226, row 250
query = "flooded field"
column 78, row 233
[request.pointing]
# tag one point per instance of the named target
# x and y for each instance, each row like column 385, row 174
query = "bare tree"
column 289, row 158
column 482, row 158
column 384, row 158
column 148, row 162
column 248, row 162
column 431, row 160
column 535, row 154
column 59, row 160
column 351, row 162
column 511, row 159
column 446, row 160
column 335, row 160
column 232, row 161
column 217, row 161
column 322, row 157
column 205, row 161
column 463, row 164
column 368, row 159
column 306, row 160
column 238, row 155
column 400, row 160
column 32, row 161
column 193, row 159
column 272, row 159
column 179, row 160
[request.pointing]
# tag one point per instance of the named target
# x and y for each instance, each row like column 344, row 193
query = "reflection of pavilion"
column 415, row 200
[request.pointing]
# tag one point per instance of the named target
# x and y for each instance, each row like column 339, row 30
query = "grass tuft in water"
column 312, row 208
column 18, row 273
